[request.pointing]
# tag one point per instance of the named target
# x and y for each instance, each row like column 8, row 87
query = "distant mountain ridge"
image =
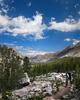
column 70, row 51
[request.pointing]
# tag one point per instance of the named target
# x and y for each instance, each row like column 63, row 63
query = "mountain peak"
column 69, row 51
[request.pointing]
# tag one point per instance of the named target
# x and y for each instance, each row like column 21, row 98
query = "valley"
column 44, row 79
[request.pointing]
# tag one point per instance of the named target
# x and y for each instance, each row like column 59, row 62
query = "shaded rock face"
column 25, row 80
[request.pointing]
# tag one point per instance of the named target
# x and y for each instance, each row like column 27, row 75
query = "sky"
column 35, row 27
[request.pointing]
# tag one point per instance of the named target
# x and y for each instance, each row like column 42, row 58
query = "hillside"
column 70, row 51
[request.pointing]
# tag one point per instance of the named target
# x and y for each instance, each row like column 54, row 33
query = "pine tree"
column 10, row 69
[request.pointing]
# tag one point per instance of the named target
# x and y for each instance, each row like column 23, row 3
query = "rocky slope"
column 70, row 51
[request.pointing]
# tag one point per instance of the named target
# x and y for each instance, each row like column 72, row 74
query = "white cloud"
column 77, row 5
column 23, row 26
column 3, row 7
column 1, row 2
column 29, row 4
column 74, row 41
column 4, row 20
column 78, row 12
column 68, row 39
column 31, row 52
column 25, row 51
column 67, row 25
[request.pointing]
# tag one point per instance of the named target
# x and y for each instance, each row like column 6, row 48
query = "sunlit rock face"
column 52, row 77
column 43, row 85
column 35, row 89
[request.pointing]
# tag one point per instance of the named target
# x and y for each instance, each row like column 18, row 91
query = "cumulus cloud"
column 23, row 26
column 68, row 39
column 68, row 25
column 74, row 41
column 4, row 20
column 30, row 52
column 3, row 7
column 79, row 12
column 25, row 51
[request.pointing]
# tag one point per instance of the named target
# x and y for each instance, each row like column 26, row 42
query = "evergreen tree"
column 26, row 65
column 10, row 69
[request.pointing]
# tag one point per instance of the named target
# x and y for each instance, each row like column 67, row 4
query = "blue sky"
column 39, row 26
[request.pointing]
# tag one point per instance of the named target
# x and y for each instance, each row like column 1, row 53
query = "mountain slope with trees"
column 12, row 69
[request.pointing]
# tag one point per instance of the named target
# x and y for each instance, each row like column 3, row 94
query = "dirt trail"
column 59, row 94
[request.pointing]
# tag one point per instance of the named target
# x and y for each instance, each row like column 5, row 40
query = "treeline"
column 60, row 65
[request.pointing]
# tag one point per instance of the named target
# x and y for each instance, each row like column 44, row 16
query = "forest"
column 66, row 64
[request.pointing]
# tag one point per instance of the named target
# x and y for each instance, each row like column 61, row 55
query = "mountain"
column 70, row 51
column 42, row 58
